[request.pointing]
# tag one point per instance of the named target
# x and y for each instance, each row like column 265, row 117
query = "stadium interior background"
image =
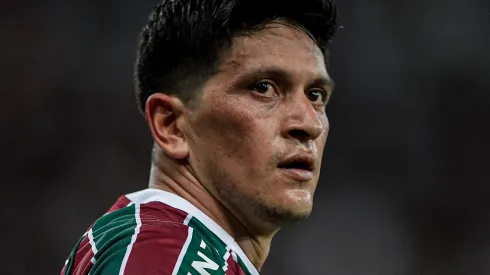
column 405, row 184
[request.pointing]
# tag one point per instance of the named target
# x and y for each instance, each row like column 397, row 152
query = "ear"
column 162, row 112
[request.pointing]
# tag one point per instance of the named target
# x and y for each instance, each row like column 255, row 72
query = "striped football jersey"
column 153, row 232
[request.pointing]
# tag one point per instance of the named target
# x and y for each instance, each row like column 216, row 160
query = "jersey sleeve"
column 130, row 241
column 155, row 250
column 149, row 240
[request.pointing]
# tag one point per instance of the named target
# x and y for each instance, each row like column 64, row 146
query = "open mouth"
column 297, row 164
column 299, row 168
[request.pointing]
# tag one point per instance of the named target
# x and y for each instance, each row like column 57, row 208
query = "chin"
column 284, row 216
column 299, row 197
column 290, row 210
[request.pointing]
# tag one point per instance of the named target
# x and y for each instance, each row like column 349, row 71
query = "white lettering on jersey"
column 201, row 266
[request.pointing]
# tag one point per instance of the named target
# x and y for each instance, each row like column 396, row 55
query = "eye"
column 317, row 96
column 264, row 88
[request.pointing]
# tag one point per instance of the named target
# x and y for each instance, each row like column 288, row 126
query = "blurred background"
column 405, row 182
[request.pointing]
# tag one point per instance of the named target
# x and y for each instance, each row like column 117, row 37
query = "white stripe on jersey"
column 92, row 244
column 150, row 195
column 184, row 250
column 133, row 238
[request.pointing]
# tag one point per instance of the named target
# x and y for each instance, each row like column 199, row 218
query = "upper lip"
column 304, row 161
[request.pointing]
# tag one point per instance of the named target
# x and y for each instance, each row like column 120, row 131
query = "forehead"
column 279, row 46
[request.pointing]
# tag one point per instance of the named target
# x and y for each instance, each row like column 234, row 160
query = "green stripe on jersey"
column 243, row 266
column 112, row 236
column 206, row 254
column 199, row 258
column 209, row 237
column 221, row 248
column 71, row 260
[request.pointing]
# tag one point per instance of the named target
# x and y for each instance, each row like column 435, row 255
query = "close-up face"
column 257, row 136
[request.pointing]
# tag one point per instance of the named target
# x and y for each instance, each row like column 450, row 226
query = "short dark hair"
column 183, row 40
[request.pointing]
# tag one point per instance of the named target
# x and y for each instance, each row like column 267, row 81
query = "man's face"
column 257, row 136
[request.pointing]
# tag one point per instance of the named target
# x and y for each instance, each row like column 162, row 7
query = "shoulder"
column 146, row 234
column 157, row 246
column 136, row 239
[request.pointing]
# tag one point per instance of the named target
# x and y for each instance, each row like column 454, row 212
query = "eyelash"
column 254, row 87
column 323, row 93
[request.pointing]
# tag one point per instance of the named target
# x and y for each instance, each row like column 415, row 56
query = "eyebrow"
column 279, row 72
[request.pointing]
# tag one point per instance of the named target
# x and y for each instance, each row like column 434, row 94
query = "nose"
column 302, row 120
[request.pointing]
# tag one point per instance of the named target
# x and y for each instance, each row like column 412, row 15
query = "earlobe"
column 162, row 112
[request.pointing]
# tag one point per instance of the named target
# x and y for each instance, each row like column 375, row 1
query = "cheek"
column 232, row 136
column 321, row 141
column 234, row 129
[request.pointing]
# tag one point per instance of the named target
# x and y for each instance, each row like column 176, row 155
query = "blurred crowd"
column 405, row 184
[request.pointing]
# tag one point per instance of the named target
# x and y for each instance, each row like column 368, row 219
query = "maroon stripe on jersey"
column 83, row 257
column 163, row 212
column 121, row 202
column 161, row 238
column 233, row 268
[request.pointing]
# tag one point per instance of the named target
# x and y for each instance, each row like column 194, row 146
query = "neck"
column 169, row 175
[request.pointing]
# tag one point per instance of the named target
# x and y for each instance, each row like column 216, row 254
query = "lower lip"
column 298, row 174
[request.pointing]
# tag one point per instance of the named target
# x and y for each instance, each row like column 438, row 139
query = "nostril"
column 299, row 134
